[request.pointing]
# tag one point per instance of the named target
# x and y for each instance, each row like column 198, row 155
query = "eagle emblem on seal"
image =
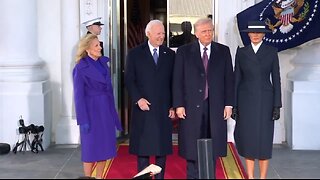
column 287, row 13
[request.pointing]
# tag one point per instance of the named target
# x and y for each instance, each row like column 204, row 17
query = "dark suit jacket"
column 150, row 131
column 255, row 98
column 188, row 92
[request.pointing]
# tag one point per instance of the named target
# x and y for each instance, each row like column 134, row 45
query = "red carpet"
column 124, row 165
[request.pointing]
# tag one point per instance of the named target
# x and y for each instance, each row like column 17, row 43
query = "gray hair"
column 203, row 21
column 151, row 24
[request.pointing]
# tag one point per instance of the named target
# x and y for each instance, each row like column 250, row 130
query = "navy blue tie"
column 155, row 55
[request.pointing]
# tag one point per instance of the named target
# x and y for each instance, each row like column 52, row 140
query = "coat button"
column 200, row 90
column 198, row 106
column 202, row 75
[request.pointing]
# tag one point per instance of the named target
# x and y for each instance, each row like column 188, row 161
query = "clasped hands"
column 275, row 113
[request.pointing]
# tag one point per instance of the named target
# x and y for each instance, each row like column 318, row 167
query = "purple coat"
column 94, row 105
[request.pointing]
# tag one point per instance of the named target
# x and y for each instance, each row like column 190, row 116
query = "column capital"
column 306, row 64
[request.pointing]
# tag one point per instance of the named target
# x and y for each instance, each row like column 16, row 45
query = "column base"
column 32, row 101
column 302, row 125
column 67, row 131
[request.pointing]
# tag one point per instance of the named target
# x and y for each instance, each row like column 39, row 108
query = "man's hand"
column 144, row 104
column 172, row 114
column 181, row 112
column 227, row 112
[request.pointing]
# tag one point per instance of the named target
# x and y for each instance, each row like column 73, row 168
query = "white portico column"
column 227, row 33
column 24, row 89
column 303, row 97
column 67, row 131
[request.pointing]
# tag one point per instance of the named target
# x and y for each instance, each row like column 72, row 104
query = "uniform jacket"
column 188, row 92
column 150, row 131
column 258, row 90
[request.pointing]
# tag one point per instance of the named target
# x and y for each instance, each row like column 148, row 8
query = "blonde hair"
column 83, row 45
column 203, row 21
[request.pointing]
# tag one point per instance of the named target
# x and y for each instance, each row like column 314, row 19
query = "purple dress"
column 94, row 105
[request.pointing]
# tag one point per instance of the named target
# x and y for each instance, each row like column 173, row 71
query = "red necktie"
column 205, row 64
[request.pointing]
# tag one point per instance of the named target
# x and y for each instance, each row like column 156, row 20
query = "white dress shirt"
column 151, row 49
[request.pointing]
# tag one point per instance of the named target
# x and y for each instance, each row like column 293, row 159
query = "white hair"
column 203, row 21
column 151, row 24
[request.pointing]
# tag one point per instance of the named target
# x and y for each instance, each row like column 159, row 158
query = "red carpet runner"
column 124, row 165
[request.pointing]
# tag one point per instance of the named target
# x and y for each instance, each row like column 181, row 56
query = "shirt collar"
column 151, row 48
column 256, row 47
column 208, row 48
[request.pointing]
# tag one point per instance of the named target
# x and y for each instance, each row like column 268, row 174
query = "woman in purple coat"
column 94, row 105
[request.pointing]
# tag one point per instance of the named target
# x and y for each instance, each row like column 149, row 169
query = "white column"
column 67, row 131
column 18, row 46
column 227, row 33
column 303, row 95
column 24, row 89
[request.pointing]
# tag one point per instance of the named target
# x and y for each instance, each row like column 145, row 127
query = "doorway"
column 134, row 16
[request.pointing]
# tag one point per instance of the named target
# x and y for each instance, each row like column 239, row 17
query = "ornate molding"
column 88, row 9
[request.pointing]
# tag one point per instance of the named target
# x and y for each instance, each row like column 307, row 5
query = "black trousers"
column 193, row 172
column 144, row 161
column 192, row 165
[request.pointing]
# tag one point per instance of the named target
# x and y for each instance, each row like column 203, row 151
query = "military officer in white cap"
column 94, row 27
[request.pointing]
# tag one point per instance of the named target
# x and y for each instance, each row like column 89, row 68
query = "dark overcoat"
column 255, row 98
column 94, row 105
column 150, row 131
column 188, row 92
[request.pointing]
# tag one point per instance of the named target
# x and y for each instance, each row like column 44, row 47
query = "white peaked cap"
column 95, row 21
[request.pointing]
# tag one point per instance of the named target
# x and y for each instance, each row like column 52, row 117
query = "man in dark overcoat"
column 148, row 78
column 202, row 111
